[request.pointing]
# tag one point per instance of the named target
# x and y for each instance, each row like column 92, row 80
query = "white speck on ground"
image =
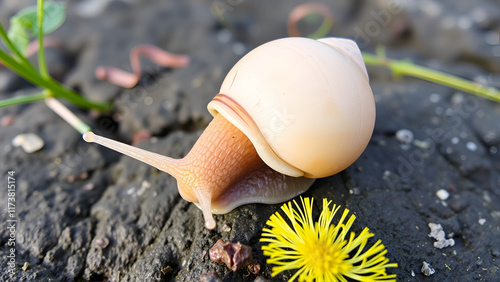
column 442, row 194
column 427, row 269
column 437, row 233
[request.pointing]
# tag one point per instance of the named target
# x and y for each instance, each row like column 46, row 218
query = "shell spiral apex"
column 306, row 105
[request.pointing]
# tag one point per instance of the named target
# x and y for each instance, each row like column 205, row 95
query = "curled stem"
column 305, row 9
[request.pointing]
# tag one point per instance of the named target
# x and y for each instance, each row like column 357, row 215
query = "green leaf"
column 18, row 35
column 26, row 19
column 54, row 14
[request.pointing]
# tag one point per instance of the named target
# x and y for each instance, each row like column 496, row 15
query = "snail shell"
column 306, row 105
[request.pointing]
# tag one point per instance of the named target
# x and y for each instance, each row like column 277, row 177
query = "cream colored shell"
column 305, row 104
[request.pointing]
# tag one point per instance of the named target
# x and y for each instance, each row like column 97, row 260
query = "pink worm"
column 156, row 55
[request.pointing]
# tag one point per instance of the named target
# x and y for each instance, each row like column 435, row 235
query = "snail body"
column 289, row 111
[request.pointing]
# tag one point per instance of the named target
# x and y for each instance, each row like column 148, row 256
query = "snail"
column 290, row 111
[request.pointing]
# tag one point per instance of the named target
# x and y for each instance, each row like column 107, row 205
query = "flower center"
column 323, row 257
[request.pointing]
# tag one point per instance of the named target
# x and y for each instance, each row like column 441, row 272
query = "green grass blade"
column 24, row 99
column 402, row 67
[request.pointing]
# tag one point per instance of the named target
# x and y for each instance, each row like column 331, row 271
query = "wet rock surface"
column 86, row 213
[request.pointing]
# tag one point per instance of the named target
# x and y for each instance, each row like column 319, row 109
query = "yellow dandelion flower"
column 321, row 250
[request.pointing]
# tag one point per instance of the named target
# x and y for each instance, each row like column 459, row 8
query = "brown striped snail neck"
column 289, row 111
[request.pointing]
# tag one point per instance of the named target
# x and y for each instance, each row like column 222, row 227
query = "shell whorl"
column 239, row 117
column 305, row 104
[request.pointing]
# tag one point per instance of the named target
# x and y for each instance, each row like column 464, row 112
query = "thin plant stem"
column 21, row 69
column 14, row 50
column 60, row 109
column 41, row 52
column 25, row 99
column 403, row 67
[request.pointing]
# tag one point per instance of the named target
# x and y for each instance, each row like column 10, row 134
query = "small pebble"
column 422, row 144
column 354, row 191
column 30, row 142
column 145, row 184
column 130, row 191
column 457, row 98
column 427, row 269
column 493, row 150
column 442, row 194
column 434, row 97
column 455, row 140
column 88, row 186
column 102, row 243
column 261, row 279
column 254, row 267
column 26, row 266
column 166, row 270
column 486, row 197
column 437, row 233
column 226, row 227
column 471, row 146
column 482, row 221
column 404, row 136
